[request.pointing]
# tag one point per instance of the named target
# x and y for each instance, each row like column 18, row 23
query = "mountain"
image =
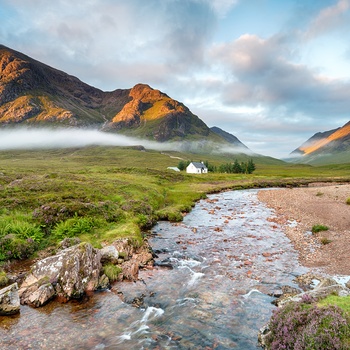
column 154, row 115
column 35, row 94
column 332, row 146
column 233, row 140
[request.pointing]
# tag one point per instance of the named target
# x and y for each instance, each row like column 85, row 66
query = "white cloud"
column 330, row 18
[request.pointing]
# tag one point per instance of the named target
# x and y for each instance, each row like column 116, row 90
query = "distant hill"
column 233, row 140
column 35, row 94
column 328, row 147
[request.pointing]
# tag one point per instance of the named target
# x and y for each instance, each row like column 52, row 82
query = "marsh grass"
column 104, row 193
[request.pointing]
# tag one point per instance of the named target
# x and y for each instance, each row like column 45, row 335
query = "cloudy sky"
column 271, row 72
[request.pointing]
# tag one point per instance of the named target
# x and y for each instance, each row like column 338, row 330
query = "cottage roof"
column 199, row 165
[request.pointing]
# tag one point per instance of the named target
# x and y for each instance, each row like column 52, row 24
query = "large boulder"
column 9, row 300
column 68, row 274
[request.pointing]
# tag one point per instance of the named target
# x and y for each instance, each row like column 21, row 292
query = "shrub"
column 14, row 247
column 74, row 227
column 111, row 271
column 298, row 326
column 348, row 201
column 319, row 228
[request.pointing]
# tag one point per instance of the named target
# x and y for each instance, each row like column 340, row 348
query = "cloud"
column 96, row 35
column 330, row 18
column 263, row 72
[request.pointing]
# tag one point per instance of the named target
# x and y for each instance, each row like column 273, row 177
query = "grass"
column 103, row 193
column 319, row 228
column 111, row 271
column 325, row 241
column 341, row 302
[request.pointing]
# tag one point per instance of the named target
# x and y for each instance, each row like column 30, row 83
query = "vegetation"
column 348, row 201
column 341, row 302
column 305, row 325
column 104, row 193
column 234, row 167
column 319, row 228
column 111, row 271
column 3, row 278
column 325, row 240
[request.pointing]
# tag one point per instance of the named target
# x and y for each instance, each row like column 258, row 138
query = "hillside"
column 328, row 147
column 34, row 94
column 154, row 115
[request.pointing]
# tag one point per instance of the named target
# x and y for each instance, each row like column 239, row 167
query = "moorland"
column 100, row 193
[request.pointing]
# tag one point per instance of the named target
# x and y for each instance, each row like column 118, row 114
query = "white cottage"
column 196, row 168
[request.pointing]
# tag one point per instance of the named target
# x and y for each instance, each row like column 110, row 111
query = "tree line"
column 230, row 168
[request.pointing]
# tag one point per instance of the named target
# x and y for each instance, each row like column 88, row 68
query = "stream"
column 209, row 289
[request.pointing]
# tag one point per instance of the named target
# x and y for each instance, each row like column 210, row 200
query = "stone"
column 9, row 300
column 69, row 242
column 264, row 332
column 130, row 270
column 103, row 282
column 70, row 273
column 124, row 248
column 42, row 295
column 109, row 254
column 326, row 287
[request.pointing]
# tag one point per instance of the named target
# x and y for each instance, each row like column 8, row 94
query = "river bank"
column 299, row 209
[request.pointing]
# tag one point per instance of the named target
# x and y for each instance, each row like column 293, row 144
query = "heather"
column 306, row 326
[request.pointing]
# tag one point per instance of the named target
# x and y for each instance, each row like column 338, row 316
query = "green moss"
column 111, row 271
column 3, row 279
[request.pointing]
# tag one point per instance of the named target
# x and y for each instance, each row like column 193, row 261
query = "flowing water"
column 210, row 288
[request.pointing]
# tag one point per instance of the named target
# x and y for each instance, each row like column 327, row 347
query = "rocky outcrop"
column 9, row 300
column 324, row 288
column 131, row 258
column 68, row 274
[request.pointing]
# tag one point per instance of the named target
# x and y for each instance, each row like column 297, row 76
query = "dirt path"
column 318, row 204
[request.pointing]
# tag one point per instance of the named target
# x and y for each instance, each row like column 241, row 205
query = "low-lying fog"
column 44, row 138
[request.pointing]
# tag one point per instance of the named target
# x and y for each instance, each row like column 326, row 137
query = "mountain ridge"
column 323, row 146
column 33, row 93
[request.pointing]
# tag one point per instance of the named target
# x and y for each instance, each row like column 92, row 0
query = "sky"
column 271, row 72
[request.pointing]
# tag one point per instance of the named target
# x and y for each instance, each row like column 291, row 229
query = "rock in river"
column 69, row 274
column 9, row 300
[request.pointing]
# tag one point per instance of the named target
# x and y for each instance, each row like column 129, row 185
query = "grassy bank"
column 102, row 193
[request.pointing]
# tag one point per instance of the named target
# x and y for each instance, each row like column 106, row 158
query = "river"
column 209, row 290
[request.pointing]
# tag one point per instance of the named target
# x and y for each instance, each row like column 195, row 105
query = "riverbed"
column 210, row 288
